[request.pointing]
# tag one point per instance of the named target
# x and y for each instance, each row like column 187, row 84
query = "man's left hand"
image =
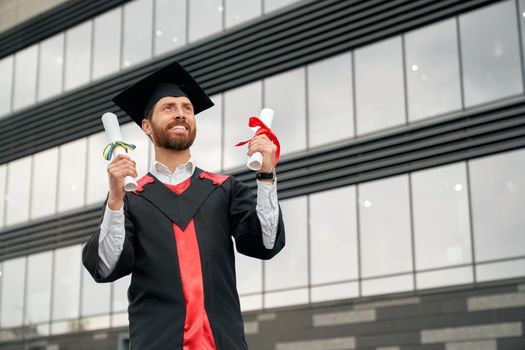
column 263, row 144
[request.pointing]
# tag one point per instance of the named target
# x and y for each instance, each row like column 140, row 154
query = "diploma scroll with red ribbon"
column 261, row 126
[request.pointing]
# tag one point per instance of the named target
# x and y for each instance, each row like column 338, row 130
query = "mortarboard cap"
column 171, row 80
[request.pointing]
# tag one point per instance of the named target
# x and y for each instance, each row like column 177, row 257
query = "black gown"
column 167, row 285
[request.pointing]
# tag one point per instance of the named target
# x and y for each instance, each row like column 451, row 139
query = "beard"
column 163, row 139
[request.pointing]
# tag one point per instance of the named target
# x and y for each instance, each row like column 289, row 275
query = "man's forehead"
column 174, row 99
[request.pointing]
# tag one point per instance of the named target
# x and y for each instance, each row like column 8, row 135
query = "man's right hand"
column 120, row 167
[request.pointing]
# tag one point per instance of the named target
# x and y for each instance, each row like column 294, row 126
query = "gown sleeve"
column 126, row 261
column 246, row 226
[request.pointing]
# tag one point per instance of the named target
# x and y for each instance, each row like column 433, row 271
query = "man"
column 174, row 233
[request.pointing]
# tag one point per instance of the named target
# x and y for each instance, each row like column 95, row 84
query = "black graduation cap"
column 171, row 80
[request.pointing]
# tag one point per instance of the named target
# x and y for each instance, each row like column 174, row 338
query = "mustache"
column 178, row 122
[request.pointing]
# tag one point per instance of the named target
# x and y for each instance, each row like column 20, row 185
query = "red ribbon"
column 263, row 130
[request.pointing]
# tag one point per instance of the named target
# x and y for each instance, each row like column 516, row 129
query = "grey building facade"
column 402, row 177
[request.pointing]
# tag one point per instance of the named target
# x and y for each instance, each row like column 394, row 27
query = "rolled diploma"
column 112, row 128
column 255, row 160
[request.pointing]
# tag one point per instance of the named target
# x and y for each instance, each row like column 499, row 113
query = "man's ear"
column 145, row 126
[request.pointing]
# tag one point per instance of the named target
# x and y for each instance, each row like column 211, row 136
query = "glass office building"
column 401, row 181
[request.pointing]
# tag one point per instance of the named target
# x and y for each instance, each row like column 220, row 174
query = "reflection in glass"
column 432, row 70
column 3, row 178
column 66, row 283
column 272, row 5
column 249, row 274
column 170, row 25
column 44, row 183
column 441, row 217
column 289, row 121
column 106, row 43
column 24, row 90
column 95, row 299
column 72, row 173
column 50, row 67
column 379, row 86
column 239, row 104
column 206, row 149
column 286, row 298
column 500, row 270
column 333, row 239
column 392, row 284
column 205, row 18
column 138, row 25
column 12, row 301
column 18, row 190
column 498, row 188
column 97, row 175
column 78, row 55
column 384, row 222
column 38, row 290
column 491, row 67
column 330, row 101
column 288, row 269
column 120, row 294
column 6, row 84
column 239, row 11
column 447, row 277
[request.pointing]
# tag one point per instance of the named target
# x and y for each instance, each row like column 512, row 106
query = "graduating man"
column 174, row 233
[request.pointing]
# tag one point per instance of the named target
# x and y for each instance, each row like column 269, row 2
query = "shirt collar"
column 157, row 167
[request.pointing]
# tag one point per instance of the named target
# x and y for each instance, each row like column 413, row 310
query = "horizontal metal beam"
column 273, row 44
column 428, row 144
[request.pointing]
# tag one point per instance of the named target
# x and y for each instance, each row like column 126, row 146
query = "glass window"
column 380, row 98
column 497, row 186
column 38, row 291
column 138, row 24
column 120, row 294
column 500, row 270
column 441, row 217
column 491, row 67
column 289, row 122
column 330, row 101
column 207, row 148
column 3, row 178
column 239, row 104
column 288, row 269
column 66, row 283
column 170, row 25
column 432, row 70
column 97, row 175
column 25, row 77
column 271, row 5
column 249, row 274
column 447, row 277
column 286, row 298
column 72, row 172
column 51, row 67
column 44, row 183
column 95, row 296
column 239, row 11
column 333, row 227
column 6, row 83
column 392, row 284
column 78, row 55
column 106, row 43
column 205, row 18
column 12, row 301
column 384, row 222
column 18, row 190
column 133, row 134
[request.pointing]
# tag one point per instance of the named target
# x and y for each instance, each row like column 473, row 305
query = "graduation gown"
column 179, row 250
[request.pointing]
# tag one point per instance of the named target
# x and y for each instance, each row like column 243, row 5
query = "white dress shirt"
column 112, row 230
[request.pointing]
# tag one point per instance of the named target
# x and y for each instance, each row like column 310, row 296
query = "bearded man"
column 174, row 233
